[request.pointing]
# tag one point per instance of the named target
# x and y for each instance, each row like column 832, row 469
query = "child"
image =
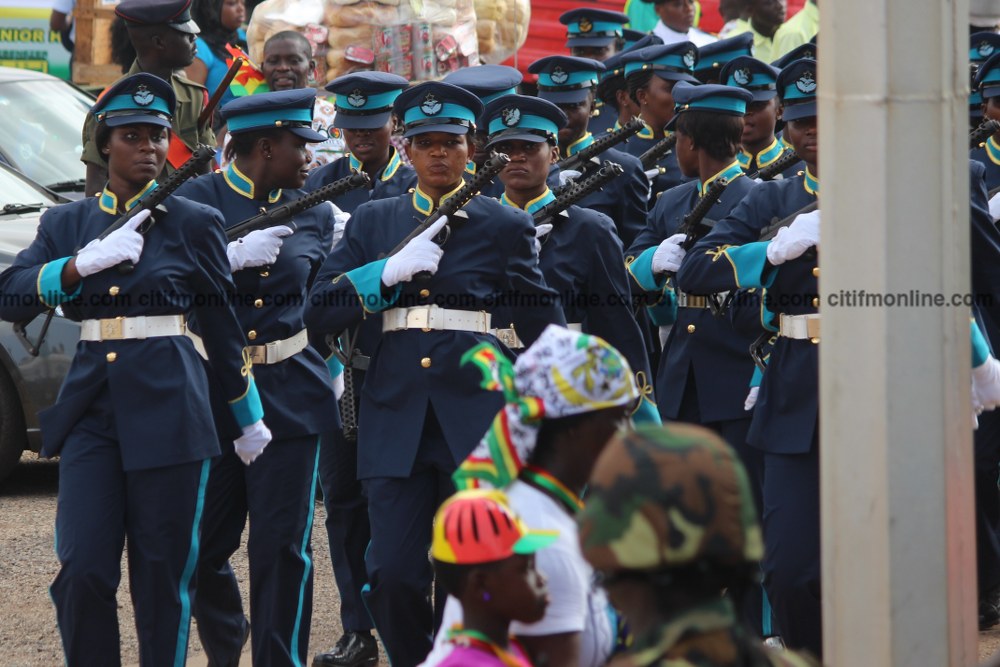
column 484, row 556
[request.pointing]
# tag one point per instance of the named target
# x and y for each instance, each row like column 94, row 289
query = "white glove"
column 567, row 175
column 251, row 444
column 338, row 386
column 258, row 248
column 792, row 241
column 995, row 207
column 986, row 385
column 541, row 231
column 420, row 254
column 340, row 219
column 751, row 399
column 668, row 257
column 122, row 244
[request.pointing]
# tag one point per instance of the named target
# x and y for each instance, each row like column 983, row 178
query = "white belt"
column 269, row 353
column 435, row 318
column 123, row 328
column 801, row 327
column 510, row 338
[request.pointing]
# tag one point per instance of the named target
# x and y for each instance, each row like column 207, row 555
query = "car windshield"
column 14, row 190
column 40, row 133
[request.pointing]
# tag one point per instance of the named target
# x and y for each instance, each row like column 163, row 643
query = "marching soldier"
column 132, row 424
column 982, row 45
column 611, row 90
column 713, row 57
column 650, row 75
column 163, row 34
column 580, row 251
column 597, row 34
column 568, row 83
column 988, row 85
column 419, row 416
column 761, row 148
column 272, row 269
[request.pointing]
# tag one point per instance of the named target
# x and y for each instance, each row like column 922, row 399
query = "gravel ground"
column 28, row 632
column 28, row 564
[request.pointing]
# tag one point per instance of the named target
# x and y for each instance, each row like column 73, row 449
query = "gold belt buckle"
column 112, row 328
column 258, row 354
column 509, row 338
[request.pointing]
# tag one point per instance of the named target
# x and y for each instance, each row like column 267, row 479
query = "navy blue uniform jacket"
column 488, row 260
column 296, row 393
column 158, row 387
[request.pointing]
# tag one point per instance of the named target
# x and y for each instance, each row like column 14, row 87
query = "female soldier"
column 650, row 75
column 267, row 163
column 132, row 423
column 419, row 415
column 580, row 256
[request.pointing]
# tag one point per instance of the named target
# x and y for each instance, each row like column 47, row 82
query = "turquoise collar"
column 390, row 168
column 425, row 204
column 108, row 201
column 647, row 131
column 533, row 206
column 811, row 183
column 238, row 181
column 470, row 168
column 729, row 173
column 579, row 144
column 992, row 150
column 763, row 158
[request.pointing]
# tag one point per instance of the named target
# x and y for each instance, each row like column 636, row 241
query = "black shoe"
column 354, row 649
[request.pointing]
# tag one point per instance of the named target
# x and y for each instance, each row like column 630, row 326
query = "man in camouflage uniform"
column 670, row 523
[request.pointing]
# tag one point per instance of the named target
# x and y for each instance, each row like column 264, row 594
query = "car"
column 28, row 382
column 40, row 136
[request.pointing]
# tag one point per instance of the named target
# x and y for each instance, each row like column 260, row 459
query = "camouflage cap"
column 669, row 496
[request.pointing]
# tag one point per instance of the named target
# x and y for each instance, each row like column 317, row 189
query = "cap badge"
column 806, row 83
column 431, row 106
column 357, row 98
column 510, row 116
column 742, row 76
column 143, row 96
column 985, row 49
column 689, row 59
column 559, row 76
column 586, row 25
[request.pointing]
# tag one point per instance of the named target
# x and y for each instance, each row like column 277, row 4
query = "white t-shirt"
column 576, row 603
column 66, row 7
column 670, row 36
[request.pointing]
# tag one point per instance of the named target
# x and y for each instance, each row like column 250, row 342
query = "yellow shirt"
column 797, row 30
column 763, row 47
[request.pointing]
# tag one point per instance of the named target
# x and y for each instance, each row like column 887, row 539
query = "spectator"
column 676, row 24
column 766, row 16
column 61, row 21
column 797, row 30
column 736, row 17
column 221, row 24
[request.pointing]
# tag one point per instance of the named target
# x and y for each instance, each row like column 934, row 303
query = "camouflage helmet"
column 669, row 496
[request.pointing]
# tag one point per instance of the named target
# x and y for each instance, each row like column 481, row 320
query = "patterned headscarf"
column 563, row 373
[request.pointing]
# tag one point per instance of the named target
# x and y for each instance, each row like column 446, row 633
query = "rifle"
column 769, row 172
column 571, row 193
column 985, row 130
column 280, row 214
column 578, row 161
column 213, row 102
column 693, row 225
column 656, row 152
column 151, row 202
column 771, row 230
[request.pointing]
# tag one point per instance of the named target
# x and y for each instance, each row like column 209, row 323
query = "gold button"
column 112, row 356
column 425, row 293
column 251, row 335
column 426, row 362
column 113, row 290
column 259, row 303
column 690, row 328
column 426, row 329
column 265, row 274
column 816, row 272
column 814, row 341
column 816, row 302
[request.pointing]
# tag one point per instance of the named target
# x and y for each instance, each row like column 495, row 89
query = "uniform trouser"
column 401, row 510
column 755, row 609
column 347, row 527
column 100, row 506
column 792, row 547
column 278, row 491
column 987, row 471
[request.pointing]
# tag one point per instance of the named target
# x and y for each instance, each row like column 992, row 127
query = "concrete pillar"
column 896, row 454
